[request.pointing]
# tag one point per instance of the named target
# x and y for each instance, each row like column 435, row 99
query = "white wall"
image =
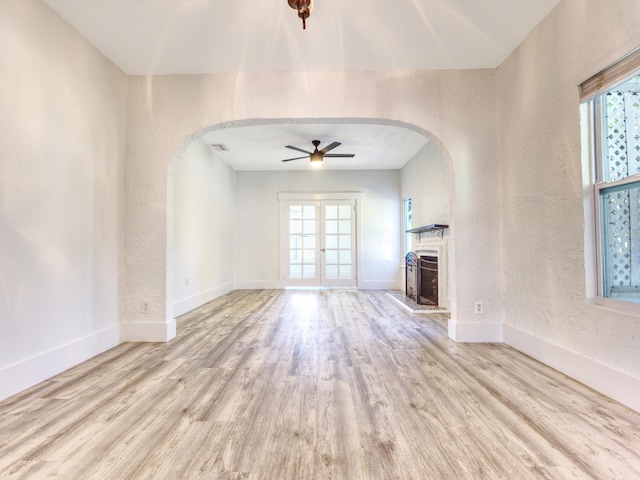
column 428, row 180
column 456, row 109
column 203, row 228
column 62, row 138
column 257, row 222
column 547, row 313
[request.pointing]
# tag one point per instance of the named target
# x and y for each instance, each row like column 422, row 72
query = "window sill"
column 616, row 306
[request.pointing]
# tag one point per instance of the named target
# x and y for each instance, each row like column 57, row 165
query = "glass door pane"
column 302, row 230
column 339, row 241
column 318, row 248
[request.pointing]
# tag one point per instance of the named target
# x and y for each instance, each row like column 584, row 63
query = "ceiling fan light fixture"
column 303, row 7
column 316, row 159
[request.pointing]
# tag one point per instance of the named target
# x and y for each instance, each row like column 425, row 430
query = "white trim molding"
column 38, row 368
column 617, row 385
column 355, row 197
column 186, row 305
column 149, row 332
column 259, row 285
column 380, row 285
column 475, row 332
column 613, row 383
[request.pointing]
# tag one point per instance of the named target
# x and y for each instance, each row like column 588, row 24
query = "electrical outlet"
column 479, row 307
column 146, row 307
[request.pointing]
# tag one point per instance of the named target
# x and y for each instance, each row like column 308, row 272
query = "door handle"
column 322, row 250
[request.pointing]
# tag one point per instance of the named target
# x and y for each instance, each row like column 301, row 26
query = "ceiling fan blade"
column 344, row 155
column 297, row 158
column 298, row 149
column 331, row 146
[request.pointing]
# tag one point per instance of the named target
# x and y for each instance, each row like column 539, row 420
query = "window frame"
column 593, row 98
column 407, row 210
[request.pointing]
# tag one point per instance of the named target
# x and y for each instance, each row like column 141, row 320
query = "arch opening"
column 222, row 229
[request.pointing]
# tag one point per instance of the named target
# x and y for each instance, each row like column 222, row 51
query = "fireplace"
column 421, row 278
column 427, row 280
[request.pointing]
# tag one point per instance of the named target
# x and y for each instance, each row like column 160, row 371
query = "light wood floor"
column 314, row 385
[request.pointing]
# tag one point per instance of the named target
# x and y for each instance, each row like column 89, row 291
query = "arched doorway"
column 231, row 239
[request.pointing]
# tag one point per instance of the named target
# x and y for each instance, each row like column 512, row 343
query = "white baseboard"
column 475, row 332
column 258, row 285
column 149, row 332
column 31, row 371
column 186, row 305
column 275, row 285
column 380, row 285
column 610, row 382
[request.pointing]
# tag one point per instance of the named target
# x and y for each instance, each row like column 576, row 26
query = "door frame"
column 284, row 197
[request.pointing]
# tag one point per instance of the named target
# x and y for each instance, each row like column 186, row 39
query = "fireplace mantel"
column 435, row 227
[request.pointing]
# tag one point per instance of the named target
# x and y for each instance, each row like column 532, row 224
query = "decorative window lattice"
column 622, row 207
column 623, row 135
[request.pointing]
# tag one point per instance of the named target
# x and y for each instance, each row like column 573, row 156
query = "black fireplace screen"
column 428, row 280
column 411, row 276
column 421, row 279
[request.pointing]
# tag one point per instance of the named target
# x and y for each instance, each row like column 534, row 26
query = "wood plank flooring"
column 270, row 384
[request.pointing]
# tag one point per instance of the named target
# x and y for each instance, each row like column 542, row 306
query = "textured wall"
column 62, row 138
column 428, row 180
column 455, row 108
column 544, row 231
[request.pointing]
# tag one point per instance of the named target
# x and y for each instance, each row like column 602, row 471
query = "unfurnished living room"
column 305, row 239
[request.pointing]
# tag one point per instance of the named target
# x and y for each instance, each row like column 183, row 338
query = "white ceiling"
column 226, row 36
column 263, row 147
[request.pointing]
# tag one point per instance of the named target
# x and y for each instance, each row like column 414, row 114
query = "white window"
column 613, row 101
column 407, row 217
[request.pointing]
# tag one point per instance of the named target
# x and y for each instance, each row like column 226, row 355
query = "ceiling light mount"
column 303, row 7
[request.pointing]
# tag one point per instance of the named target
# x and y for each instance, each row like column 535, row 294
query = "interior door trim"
column 356, row 197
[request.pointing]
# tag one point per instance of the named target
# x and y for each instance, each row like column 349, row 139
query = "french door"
column 319, row 243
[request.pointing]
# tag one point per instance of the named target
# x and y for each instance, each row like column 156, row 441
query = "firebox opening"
column 422, row 278
column 428, row 280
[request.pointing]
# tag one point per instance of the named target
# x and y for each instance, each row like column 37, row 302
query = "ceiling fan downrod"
column 303, row 7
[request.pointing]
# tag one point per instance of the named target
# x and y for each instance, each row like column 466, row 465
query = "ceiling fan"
column 317, row 156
